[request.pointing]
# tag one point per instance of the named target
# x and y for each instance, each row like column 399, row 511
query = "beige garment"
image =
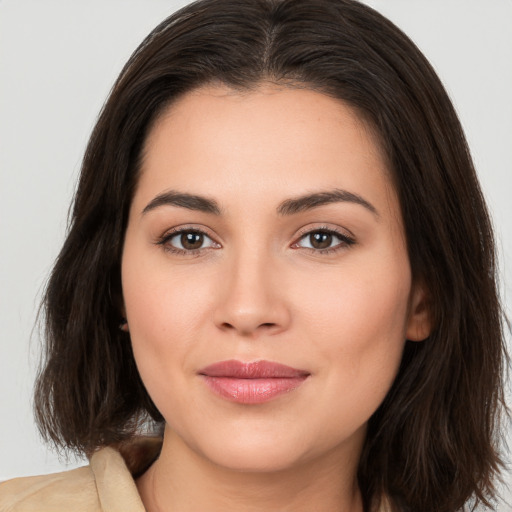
column 105, row 485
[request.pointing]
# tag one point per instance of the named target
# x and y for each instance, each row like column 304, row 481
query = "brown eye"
column 324, row 241
column 187, row 240
column 320, row 240
column 191, row 241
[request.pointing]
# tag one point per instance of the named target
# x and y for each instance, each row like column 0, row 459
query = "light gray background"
column 58, row 60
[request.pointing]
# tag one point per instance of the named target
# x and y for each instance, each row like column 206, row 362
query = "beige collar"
column 114, row 482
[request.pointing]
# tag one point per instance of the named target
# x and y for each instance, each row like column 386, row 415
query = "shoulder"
column 105, row 485
column 70, row 490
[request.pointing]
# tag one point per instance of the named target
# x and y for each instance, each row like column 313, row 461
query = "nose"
column 252, row 300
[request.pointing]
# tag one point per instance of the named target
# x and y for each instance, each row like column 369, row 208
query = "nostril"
column 245, row 329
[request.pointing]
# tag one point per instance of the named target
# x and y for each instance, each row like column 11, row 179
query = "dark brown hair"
column 432, row 445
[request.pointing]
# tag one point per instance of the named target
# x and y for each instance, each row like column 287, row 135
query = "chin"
column 262, row 451
column 254, row 457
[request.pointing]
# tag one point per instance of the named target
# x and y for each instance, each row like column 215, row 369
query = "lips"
column 251, row 383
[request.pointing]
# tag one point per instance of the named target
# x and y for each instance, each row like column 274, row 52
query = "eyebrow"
column 310, row 201
column 287, row 207
column 184, row 200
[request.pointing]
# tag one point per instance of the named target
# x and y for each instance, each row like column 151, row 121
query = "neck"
column 182, row 480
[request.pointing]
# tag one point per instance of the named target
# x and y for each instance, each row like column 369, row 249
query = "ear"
column 124, row 325
column 117, row 299
column 419, row 322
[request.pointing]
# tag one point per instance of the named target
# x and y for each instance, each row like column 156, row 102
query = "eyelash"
column 167, row 237
column 345, row 241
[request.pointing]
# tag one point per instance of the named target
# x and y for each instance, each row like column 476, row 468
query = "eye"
column 324, row 240
column 185, row 241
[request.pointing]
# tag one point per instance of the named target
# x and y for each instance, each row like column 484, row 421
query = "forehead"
column 266, row 109
column 272, row 142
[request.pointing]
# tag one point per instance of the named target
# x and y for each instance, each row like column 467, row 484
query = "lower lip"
column 252, row 391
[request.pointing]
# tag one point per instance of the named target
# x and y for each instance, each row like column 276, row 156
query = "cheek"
column 166, row 312
column 358, row 339
column 356, row 318
column 162, row 307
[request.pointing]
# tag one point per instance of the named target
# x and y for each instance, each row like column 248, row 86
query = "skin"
column 259, row 289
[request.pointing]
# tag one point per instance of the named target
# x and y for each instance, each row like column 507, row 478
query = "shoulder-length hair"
column 432, row 445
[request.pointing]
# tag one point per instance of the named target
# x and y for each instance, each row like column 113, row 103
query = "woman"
column 279, row 254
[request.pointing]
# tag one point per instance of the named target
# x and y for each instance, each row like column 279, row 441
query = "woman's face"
column 264, row 228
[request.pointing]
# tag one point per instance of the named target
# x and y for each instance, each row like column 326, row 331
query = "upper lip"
column 251, row 370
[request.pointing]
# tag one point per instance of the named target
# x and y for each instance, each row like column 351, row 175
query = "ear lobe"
column 419, row 323
column 124, row 325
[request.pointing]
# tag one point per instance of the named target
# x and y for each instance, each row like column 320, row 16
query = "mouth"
column 251, row 383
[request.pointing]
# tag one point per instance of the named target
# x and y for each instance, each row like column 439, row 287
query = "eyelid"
column 346, row 238
column 164, row 239
column 338, row 230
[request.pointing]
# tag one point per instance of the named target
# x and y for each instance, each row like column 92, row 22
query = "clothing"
column 106, row 485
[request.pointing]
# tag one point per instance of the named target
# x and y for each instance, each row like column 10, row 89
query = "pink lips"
column 251, row 383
